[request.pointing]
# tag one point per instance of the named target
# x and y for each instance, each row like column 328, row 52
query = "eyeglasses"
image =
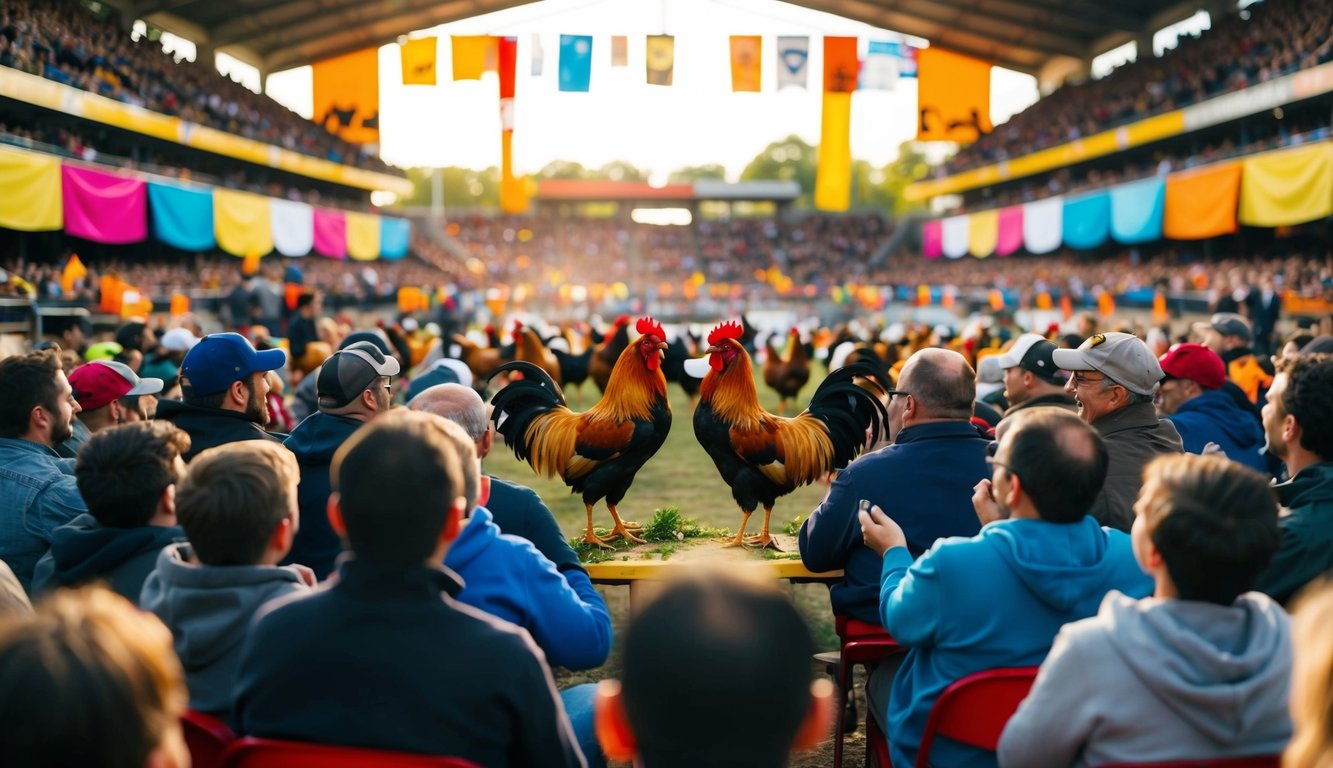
column 1080, row 380
column 993, row 462
column 898, row 393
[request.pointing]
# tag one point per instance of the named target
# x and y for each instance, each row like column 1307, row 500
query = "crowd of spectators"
column 66, row 42
column 1265, row 41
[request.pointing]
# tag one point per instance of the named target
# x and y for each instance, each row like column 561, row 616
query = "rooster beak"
column 661, row 345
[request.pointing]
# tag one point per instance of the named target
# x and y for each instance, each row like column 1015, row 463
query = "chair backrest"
column 863, row 643
column 974, row 710
column 272, row 753
column 206, row 737
column 1249, row 761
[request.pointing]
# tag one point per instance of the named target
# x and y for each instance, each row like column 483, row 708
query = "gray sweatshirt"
column 1153, row 680
column 208, row 609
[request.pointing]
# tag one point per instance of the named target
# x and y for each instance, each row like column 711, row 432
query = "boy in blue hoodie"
column 238, row 506
column 127, row 476
column 998, row 599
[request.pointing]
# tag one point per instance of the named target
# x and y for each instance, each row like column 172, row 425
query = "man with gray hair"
column 353, row 386
column 515, row 509
column 1115, row 379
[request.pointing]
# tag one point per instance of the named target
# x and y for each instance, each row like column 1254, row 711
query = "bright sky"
column 697, row 120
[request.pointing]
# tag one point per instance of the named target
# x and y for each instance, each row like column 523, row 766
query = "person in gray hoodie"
column 1199, row 670
column 238, row 506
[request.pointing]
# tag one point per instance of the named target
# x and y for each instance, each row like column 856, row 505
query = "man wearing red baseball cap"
column 1191, row 397
column 108, row 393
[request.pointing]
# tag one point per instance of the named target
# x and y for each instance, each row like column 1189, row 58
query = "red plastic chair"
column 206, row 737
column 972, row 711
column 861, row 643
column 1249, row 761
column 272, row 753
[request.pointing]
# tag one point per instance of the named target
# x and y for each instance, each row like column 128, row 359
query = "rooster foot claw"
column 593, row 540
column 763, row 541
column 626, row 533
column 633, row 527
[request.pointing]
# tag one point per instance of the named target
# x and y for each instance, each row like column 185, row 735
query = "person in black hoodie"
column 128, row 476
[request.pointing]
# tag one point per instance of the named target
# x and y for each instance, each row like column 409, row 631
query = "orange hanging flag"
column 347, row 95
column 73, row 272
column 841, row 67
column 418, row 57
column 953, row 96
column 180, row 304
column 996, row 299
column 1106, row 304
column 250, row 263
column 1066, row 307
column 746, row 63
column 1044, row 300
column 472, row 55
column 1159, row 313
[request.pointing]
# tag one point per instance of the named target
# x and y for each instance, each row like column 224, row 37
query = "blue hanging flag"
column 575, row 62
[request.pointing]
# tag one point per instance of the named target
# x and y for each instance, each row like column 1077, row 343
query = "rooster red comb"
column 728, row 330
column 619, row 321
column 648, row 325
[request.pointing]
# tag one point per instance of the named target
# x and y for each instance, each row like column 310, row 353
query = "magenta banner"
column 330, row 233
column 1011, row 231
column 104, row 207
column 932, row 239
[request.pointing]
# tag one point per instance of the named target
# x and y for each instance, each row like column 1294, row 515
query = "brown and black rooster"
column 787, row 377
column 762, row 456
column 596, row 452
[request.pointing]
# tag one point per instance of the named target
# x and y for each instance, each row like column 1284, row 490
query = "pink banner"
column 104, row 207
column 1011, row 231
column 932, row 239
column 330, row 233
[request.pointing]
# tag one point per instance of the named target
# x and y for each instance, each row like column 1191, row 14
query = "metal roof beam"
column 276, row 18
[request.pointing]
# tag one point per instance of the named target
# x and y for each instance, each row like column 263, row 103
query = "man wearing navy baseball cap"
column 224, row 384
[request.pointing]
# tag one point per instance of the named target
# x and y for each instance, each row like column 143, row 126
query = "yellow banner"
column 983, row 232
column 833, row 172
column 363, row 236
column 513, row 189
column 1202, row 203
column 746, row 63
column 1287, row 186
column 30, row 192
column 472, row 55
column 242, row 223
column 347, row 95
column 661, row 59
column 954, row 96
column 419, row 61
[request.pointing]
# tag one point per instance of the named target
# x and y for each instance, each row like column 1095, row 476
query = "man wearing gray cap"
column 353, row 386
column 1115, row 378
column 1228, row 334
column 1031, row 378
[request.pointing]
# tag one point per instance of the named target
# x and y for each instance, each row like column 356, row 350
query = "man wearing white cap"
column 1115, row 379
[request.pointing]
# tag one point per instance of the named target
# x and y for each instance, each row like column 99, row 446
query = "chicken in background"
column 606, row 354
column 680, row 349
column 763, row 456
column 480, row 360
column 596, row 452
column 573, row 365
column 787, row 376
column 528, row 347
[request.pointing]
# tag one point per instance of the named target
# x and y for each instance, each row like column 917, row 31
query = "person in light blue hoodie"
column 238, row 506
column 1199, row 670
column 998, row 599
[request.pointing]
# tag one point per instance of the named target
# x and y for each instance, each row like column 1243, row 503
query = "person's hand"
column 988, row 510
column 879, row 531
column 1211, row 448
column 307, row 575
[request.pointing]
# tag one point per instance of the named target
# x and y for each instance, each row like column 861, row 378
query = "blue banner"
column 182, row 216
column 575, row 62
column 1087, row 220
column 394, row 236
column 1137, row 209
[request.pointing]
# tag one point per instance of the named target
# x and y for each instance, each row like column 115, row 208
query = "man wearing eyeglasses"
column 354, row 387
column 1115, row 377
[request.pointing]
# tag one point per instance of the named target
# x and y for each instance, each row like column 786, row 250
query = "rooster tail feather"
column 521, row 404
column 849, row 409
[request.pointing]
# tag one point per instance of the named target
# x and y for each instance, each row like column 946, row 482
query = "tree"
column 910, row 166
column 620, row 170
column 692, row 173
column 563, row 169
column 791, row 159
column 463, row 187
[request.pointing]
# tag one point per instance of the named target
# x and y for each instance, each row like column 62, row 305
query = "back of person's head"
column 942, row 382
column 26, row 382
column 234, row 497
column 457, row 403
column 468, row 463
column 398, row 487
column 90, row 681
column 1306, row 398
column 1213, row 521
column 1060, row 460
column 716, row 648
column 123, row 471
column 1311, row 743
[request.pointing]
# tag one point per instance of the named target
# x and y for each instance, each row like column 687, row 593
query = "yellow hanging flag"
column 473, row 55
column 833, row 172
column 954, row 100
column 661, row 59
column 419, row 61
column 73, row 272
column 346, row 99
column 746, row 63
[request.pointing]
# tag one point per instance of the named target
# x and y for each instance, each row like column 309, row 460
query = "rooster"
column 762, row 456
column 787, row 377
column 606, row 354
column 528, row 346
column 596, row 452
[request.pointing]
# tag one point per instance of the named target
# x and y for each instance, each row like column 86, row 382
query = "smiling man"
column 1115, row 376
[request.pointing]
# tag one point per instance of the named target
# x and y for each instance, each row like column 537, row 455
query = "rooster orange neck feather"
column 624, row 400
column 731, row 392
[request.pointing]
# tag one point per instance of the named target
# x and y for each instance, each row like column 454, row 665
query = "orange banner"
column 746, row 60
column 418, row 57
column 1202, row 203
column 841, row 66
column 472, row 55
column 953, row 96
column 347, row 96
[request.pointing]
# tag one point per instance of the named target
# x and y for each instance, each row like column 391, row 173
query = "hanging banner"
column 293, row 227
column 1287, row 186
column 1043, row 224
column 746, row 63
column 1202, row 203
column 575, row 63
column 104, row 207
column 330, row 233
column 1136, row 211
column 660, row 59
column 619, row 51
column 182, row 216
column 983, row 233
column 907, row 60
column 953, row 97
column 932, row 244
column 242, row 222
column 363, row 236
column 954, row 236
column 793, row 61
column 833, row 170
column 472, row 55
column 419, row 61
column 1009, row 237
column 73, row 272
column 840, row 64
column 1087, row 220
column 30, row 192
column 538, row 55
column 395, row 234
column 347, row 96
column 879, row 70
column 512, row 191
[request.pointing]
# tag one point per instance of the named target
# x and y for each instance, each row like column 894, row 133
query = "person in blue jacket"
column 998, row 599
column 1191, row 396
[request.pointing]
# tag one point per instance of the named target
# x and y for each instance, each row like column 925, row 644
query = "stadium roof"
column 1019, row 34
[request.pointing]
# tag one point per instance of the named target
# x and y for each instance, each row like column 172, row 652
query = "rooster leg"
column 739, row 541
column 621, row 530
column 764, row 540
column 782, row 406
column 591, row 538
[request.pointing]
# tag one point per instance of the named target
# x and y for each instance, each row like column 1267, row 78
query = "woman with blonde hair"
column 1312, row 681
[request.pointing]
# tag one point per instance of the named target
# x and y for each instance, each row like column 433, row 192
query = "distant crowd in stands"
column 1242, row 49
column 63, row 41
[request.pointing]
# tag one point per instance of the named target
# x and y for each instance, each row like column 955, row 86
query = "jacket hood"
column 317, row 438
column 1213, row 665
column 1059, row 563
column 84, row 548
column 1223, row 414
column 479, row 533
